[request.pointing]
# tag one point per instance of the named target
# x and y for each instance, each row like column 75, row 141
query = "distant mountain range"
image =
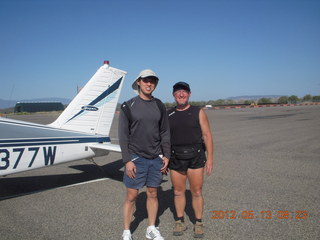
column 12, row 103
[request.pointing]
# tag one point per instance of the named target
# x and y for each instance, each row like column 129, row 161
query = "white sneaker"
column 127, row 236
column 153, row 233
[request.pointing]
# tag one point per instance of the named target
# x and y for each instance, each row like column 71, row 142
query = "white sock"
column 151, row 227
column 126, row 231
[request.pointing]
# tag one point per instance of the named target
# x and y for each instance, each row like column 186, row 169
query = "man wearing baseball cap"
column 191, row 139
column 144, row 137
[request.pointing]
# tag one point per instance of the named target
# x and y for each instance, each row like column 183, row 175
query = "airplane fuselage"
column 39, row 145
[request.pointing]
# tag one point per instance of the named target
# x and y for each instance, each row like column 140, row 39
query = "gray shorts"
column 148, row 173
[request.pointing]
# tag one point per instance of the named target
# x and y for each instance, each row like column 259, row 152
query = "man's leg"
column 152, row 205
column 152, row 209
column 195, row 177
column 178, row 180
column 128, row 207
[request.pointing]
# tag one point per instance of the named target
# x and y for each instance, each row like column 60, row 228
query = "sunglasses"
column 149, row 80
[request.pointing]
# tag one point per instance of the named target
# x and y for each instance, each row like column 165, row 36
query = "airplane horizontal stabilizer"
column 105, row 147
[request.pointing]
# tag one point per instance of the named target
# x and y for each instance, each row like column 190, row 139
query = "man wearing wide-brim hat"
column 144, row 138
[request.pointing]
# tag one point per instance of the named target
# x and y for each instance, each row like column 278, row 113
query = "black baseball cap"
column 181, row 86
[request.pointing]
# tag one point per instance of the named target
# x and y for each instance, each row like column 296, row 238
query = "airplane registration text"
column 10, row 158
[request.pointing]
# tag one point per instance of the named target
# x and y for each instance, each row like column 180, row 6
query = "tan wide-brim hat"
column 143, row 74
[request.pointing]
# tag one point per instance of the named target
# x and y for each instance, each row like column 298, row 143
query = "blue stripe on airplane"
column 103, row 95
column 51, row 141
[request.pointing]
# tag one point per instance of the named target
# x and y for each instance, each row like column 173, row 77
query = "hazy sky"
column 222, row 48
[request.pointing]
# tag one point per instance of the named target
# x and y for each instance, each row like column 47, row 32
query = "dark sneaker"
column 198, row 230
column 179, row 228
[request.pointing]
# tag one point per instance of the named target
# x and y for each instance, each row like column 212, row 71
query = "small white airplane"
column 81, row 131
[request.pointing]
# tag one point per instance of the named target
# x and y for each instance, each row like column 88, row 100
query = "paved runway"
column 265, row 185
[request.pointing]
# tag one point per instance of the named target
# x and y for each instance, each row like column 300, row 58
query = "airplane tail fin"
column 93, row 109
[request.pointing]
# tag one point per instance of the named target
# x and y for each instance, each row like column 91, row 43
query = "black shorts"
column 183, row 165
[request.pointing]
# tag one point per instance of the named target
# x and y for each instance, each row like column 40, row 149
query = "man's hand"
column 165, row 162
column 131, row 169
column 209, row 167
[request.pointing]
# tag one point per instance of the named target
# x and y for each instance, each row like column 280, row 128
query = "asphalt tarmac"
column 265, row 185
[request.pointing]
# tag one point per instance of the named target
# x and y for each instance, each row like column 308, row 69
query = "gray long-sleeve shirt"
column 147, row 136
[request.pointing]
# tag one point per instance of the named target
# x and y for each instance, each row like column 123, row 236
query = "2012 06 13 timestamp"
column 265, row 214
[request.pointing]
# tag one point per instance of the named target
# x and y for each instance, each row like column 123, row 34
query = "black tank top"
column 185, row 126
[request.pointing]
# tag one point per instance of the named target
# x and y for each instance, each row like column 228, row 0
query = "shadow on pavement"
column 165, row 202
column 18, row 186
